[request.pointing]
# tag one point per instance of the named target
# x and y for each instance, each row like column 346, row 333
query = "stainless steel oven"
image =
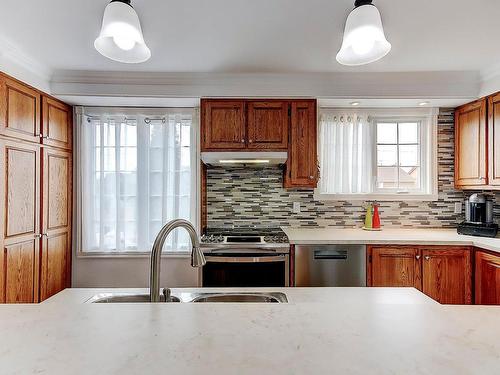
column 244, row 261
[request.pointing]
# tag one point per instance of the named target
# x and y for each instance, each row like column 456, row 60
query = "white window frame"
column 428, row 142
column 79, row 114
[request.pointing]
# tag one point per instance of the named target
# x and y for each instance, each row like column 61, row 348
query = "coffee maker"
column 478, row 217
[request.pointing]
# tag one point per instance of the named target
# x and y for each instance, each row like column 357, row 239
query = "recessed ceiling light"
column 364, row 39
column 354, row 104
column 121, row 36
column 423, row 103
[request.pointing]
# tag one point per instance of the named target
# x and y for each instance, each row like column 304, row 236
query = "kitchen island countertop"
column 320, row 331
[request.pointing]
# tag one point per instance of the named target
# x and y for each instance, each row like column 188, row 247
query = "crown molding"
column 23, row 66
column 490, row 80
column 429, row 85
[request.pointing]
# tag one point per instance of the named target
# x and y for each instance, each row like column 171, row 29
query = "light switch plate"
column 458, row 207
column 296, row 207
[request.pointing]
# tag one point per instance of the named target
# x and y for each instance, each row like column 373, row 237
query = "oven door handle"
column 225, row 259
column 215, row 252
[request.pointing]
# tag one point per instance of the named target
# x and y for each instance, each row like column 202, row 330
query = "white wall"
column 131, row 272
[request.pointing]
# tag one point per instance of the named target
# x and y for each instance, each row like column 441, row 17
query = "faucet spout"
column 197, row 257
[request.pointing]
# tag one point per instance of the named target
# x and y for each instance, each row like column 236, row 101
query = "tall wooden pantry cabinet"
column 36, row 193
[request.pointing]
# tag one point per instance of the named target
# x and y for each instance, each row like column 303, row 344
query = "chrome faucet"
column 197, row 257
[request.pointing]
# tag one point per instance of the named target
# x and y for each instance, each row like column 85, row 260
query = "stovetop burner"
column 234, row 236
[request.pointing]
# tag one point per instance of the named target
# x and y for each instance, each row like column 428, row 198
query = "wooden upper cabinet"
column 56, row 222
column 267, row 125
column 302, row 165
column 20, row 214
column 471, row 145
column 57, row 123
column 223, row 124
column 394, row 267
column 494, row 140
column 447, row 275
column 487, row 286
column 19, row 110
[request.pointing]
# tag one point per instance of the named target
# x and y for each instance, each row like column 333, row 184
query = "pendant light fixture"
column 364, row 39
column 121, row 34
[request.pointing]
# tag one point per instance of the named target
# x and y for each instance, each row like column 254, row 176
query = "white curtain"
column 345, row 153
column 138, row 172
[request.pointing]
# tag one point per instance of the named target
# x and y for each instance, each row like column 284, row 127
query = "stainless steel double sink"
column 188, row 297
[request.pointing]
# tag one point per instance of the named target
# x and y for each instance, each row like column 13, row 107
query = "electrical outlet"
column 296, row 207
column 458, row 207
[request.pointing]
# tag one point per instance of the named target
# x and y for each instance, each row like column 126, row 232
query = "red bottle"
column 376, row 217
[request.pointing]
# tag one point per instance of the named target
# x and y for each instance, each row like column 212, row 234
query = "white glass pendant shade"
column 121, row 35
column 364, row 39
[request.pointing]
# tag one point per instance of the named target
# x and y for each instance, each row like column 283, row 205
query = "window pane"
column 387, row 132
column 387, row 155
column 109, row 159
column 109, row 134
column 128, row 159
column 387, row 177
column 128, row 184
column 409, row 178
column 156, row 135
column 128, row 135
column 409, row 155
column 97, row 158
column 408, row 132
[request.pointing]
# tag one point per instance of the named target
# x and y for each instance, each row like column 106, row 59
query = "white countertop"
column 324, row 236
column 321, row 331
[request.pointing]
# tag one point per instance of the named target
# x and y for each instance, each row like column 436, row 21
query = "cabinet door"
column 487, row 286
column 57, row 123
column 20, row 215
column 223, row 124
column 19, row 110
column 56, row 222
column 470, row 145
column 494, row 140
column 394, row 267
column 267, row 125
column 302, row 164
column 447, row 275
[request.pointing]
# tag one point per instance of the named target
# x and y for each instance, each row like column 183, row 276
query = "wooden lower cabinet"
column 487, row 278
column 443, row 273
column 447, row 275
column 395, row 267
column 19, row 272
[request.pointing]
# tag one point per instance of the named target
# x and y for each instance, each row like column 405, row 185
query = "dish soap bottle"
column 376, row 217
column 368, row 217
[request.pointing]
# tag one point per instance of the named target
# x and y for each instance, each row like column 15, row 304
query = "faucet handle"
column 167, row 294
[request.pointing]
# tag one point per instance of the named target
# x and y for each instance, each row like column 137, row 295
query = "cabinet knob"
column 427, row 257
column 242, row 141
column 250, row 141
column 417, row 257
column 38, row 236
column 311, row 177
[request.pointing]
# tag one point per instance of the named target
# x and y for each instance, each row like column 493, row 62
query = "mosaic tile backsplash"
column 256, row 197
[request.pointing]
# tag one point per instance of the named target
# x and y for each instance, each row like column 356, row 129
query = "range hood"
column 260, row 158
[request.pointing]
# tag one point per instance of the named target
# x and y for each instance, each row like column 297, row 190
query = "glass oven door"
column 246, row 270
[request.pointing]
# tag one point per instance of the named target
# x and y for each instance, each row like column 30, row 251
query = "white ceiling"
column 234, row 36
